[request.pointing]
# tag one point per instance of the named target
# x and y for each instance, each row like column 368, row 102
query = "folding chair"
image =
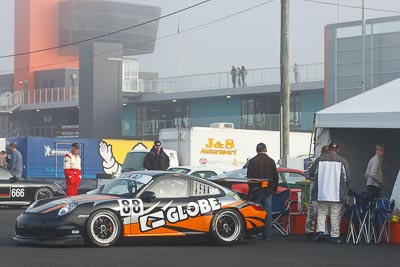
column 280, row 208
column 380, row 220
column 359, row 218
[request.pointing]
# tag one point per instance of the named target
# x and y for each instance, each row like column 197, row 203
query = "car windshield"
column 134, row 161
column 292, row 177
column 239, row 173
column 122, row 187
column 4, row 174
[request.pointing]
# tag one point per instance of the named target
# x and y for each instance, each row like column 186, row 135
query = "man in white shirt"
column 72, row 170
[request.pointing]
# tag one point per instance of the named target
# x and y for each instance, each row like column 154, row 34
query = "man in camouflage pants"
column 312, row 208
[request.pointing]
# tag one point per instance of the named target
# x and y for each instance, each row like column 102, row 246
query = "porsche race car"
column 142, row 204
column 17, row 191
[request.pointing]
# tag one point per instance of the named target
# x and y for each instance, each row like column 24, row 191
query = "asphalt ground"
column 280, row 251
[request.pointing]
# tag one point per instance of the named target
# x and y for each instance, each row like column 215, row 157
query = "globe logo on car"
column 203, row 161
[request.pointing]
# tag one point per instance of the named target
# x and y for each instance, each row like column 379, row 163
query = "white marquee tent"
column 358, row 124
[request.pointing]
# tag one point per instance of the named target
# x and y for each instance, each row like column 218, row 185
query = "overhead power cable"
column 106, row 34
column 167, row 37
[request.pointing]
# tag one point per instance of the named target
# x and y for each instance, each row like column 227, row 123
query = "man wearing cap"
column 156, row 159
column 263, row 167
column 15, row 160
column 330, row 190
column 72, row 170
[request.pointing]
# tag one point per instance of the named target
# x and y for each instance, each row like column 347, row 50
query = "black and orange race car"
column 142, row 204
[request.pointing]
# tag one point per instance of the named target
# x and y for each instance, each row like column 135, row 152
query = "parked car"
column 287, row 178
column 21, row 192
column 142, row 204
column 204, row 172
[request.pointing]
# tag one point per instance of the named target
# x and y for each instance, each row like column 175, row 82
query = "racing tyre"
column 227, row 227
column 43, row 193
column 103, row 228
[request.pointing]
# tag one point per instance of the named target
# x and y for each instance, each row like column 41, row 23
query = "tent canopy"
column 375, row 108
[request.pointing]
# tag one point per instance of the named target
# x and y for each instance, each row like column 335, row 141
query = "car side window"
column 4, row 175
column 203, row 174
column 170, row 188
column 203, row 189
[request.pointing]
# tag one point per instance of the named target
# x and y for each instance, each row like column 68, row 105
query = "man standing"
column 374, row 174
column 233, row 74
column 72, row 170
column 330, row 190
column 15, row 161
column 312, row 208
column 263, row 167
column 296, row 73
column 156, row 159
column 243, row 74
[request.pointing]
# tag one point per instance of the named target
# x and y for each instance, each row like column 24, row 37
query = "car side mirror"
column 148, row 196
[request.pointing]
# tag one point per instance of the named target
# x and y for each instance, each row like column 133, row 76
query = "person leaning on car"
column 72, row 170
column 263, row 167
column 3, row 159
column 156, row 159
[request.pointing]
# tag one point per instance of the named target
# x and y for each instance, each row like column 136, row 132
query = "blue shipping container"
column 43, row 157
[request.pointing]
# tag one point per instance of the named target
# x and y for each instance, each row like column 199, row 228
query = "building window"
column 151, row 117
column 261, row 112
column 130, row 75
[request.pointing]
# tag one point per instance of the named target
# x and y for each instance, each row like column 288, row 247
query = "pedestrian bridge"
column 257, row 79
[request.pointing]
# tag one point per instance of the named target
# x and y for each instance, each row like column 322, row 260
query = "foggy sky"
column 250, row 39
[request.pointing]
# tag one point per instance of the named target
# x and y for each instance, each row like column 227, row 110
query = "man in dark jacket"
column 263, row 167
column 156, row 159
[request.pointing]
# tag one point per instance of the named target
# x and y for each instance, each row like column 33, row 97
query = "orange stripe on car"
column 55, row 207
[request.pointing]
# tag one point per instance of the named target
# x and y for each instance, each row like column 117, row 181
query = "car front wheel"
column 227, row 227
column 103, row 228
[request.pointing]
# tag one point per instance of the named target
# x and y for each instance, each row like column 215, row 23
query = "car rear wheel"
column 103, row 228
column 43, row 193
column 227, row 227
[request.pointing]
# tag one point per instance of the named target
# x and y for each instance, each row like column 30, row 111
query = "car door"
column 12, row 189
column 161, row 215
column 5, row 186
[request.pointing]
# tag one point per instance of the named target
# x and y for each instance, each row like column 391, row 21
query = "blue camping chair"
column 280, row 208
column 359, row 218
column 381, row 211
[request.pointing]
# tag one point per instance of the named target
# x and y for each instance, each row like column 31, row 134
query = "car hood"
column 45, row 206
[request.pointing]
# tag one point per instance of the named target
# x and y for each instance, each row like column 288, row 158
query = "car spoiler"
column 256, row 186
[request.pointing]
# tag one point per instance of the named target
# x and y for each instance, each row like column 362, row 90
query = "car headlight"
column 67, row 209
column 32, row 206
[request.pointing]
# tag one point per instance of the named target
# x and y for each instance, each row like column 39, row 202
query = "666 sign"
column 12, row 192
column 17, row 192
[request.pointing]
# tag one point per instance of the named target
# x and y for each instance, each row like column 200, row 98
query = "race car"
column 16, row 191
column 142, row 204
